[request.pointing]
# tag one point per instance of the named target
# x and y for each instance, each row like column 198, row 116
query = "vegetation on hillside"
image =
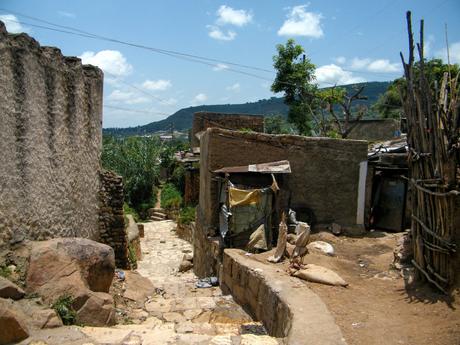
column 183, row 118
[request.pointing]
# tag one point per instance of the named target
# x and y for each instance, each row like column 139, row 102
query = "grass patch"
column 5, row 272
column 170, row 197
column 129, row 210
column 132, row 257
column 187, row 215
column 63, row 307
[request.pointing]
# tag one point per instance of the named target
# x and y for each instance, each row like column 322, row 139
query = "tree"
column 276, row 124
column 295, row 78
column 389, row 104
column 333, row 96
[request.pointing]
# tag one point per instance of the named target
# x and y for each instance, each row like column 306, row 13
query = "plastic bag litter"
column 318, row 274
column 120, row 275
column 207, row 282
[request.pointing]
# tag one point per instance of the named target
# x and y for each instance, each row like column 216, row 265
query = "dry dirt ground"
column 379, row 307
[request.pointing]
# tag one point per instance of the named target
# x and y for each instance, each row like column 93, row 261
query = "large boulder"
column 10, row 290
column 13, row 329
column 80, row 268
column 68, row 266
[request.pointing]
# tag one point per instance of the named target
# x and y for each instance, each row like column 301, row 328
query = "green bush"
column 170, row 197
column 129, row 210
column 187, row 215
column 63, row 307
column 5, row 272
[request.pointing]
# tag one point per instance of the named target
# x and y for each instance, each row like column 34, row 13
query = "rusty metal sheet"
column 279, row 167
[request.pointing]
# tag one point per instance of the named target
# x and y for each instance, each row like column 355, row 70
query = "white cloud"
column 454, row 53
column 157, row 85
column 379, row 65
column 383, row 65
column 340, row 60
column 170, row 101
column 228, row 15
column 234, row 88
column 357, row 63
column 220, row 67
column 299, row 22
column 216, row 33
column 12, row 24
column 119, row 96
column 328, row 75
column 66, row 14
column 110, row 61
column 199, row 99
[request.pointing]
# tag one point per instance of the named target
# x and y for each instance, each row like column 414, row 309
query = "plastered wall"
column 50, row 142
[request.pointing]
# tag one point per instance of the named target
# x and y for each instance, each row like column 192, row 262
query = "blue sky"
column 348, row 41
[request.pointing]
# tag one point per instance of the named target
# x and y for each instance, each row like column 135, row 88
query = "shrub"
column 5, row 272
column 63, row 307
column 170, row 197
column 187, row 215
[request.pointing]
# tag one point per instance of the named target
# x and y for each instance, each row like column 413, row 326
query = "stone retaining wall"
column 286, row 306
column 111, row 219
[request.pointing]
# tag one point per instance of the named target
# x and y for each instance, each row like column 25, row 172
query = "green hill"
column 182, row 119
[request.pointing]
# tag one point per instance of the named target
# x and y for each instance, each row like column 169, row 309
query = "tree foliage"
column 277, row 124
column 389, row 104
column 295, row 78
column 137, row 159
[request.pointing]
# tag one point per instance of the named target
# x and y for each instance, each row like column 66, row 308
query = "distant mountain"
column 182, row 119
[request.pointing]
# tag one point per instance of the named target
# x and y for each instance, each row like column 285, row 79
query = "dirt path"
column 180, row 313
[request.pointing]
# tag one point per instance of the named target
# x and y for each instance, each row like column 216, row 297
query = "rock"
column 188, row 257
column 185, row 265
column 138, row 288
column 13, row 329
column 403, row 253
column 69, row 266
column 39, row 316
column 10, row 290
column 336, row 229
column 95, row 309
column 321, row 247
column 319, row 274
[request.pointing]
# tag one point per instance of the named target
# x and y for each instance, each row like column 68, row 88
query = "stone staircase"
column 157, row 214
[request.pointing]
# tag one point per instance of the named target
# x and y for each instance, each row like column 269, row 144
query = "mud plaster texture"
column 50, row 139
column 204, row 120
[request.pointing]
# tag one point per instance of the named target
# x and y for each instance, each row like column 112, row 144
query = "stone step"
column 158, row 214
column 156, row 218
column 158, row 209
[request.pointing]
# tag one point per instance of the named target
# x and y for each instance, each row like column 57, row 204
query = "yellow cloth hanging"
column 243, row 197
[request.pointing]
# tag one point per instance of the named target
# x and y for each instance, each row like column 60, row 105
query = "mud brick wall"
column 204, row 120
column 375, row 130
column 111, row 219
column 324, row 178
column 50, row 142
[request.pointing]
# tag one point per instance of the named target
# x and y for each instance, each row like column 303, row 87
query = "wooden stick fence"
column 433, row 119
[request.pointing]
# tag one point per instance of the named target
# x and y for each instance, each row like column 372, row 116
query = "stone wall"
column 375, row 130
column 111, row 218
column 50, row 142
column 204, row 120
column 324, row 178
column 273, row 297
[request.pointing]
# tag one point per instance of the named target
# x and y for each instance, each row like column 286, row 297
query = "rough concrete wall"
column 50, row 142
column 111, row 219
column 204, row 120
column 375, row 130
